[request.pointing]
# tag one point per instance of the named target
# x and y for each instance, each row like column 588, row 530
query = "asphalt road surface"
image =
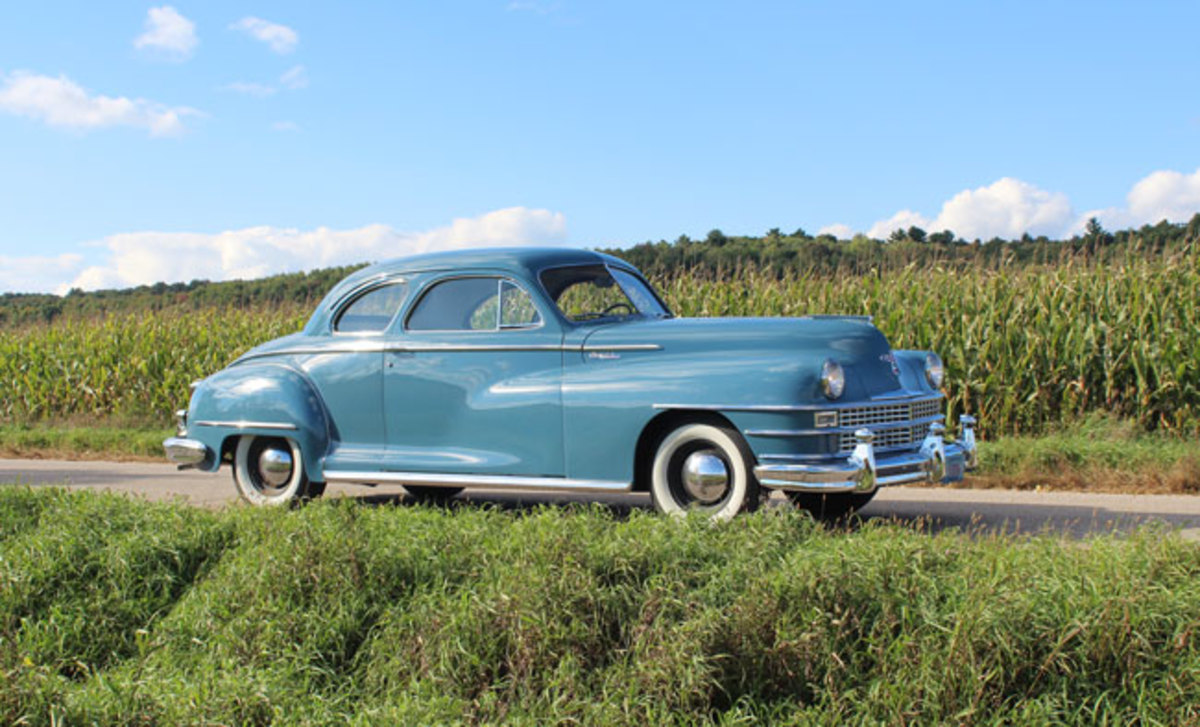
column 933, row 509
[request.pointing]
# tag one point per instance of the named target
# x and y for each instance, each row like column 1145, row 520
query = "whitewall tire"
column 269, row 472
column 703, row 468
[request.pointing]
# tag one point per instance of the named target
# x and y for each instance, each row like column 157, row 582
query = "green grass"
column 86, row 441
column 1099, row 453
column 117, row 611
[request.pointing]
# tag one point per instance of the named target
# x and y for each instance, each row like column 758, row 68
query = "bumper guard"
column 936, row 461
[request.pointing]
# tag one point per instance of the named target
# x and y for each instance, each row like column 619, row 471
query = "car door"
column 473, row 382
column 346, row 365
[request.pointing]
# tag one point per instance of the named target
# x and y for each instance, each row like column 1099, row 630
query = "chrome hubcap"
column 705, row 476
column 275, row 466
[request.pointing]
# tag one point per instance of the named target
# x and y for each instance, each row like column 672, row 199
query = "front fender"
column 912, row 369
column 268, row 399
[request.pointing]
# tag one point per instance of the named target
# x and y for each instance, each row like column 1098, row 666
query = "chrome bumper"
column 935, row 461
column 185, row 452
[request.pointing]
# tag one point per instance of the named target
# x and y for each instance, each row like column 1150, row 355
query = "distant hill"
column 717, row 256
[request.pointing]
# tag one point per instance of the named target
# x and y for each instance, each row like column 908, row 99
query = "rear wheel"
column 269, row 471
column 705, row 468
column 425, row 493
column 831, row 507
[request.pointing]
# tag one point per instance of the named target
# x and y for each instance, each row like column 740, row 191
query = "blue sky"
column 142, row 141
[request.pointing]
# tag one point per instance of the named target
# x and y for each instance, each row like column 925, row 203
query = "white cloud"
column 168, row 32
column 61, row 102
column 249, row 88
column 1007, row 208
column 294, row 78
column 1165, row 195
column 840, row 231
column 37, row 273
column 902, row 220
column 285, row 126
column 140, row 258
column 1162, row 195
column 278, row 38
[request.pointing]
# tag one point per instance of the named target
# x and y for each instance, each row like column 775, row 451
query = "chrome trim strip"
column 380, row 346
column 243, row 424
column 914, row 399
column 455, row 347
column 835, row 317
column 878, row 427
column 619, row 347
column 492, row 482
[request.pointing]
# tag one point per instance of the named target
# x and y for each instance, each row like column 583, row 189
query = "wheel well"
column 228, row 447
column 659, row 427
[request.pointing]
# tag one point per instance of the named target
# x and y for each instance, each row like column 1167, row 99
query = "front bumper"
column 936, row 461
column 185, row 452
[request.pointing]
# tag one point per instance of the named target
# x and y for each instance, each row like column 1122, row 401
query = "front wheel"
column 269, row 471
column 831, row 507
column 706, row 468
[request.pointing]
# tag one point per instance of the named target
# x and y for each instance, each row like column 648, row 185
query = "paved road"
column 932, row 508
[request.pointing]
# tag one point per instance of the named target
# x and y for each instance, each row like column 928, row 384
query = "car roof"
column 519, row 262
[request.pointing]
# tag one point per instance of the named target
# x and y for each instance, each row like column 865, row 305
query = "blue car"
column 563, row 370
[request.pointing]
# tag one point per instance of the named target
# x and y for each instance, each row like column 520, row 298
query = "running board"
column 481, row 482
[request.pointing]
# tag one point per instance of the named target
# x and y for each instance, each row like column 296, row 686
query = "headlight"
column 935, row 373
column 833, row 379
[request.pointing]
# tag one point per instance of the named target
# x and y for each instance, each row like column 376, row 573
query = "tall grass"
column 1025, row 348
column 408, row 615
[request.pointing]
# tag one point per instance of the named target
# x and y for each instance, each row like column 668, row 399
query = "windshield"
column 592, row 292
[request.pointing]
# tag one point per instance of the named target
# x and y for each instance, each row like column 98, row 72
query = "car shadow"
column 621, row 505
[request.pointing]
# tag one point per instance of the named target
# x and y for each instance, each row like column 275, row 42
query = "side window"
column 463, row 304
column 372, row 311
column 516, row 307
column 473, row 304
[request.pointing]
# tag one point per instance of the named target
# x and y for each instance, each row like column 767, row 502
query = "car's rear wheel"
column 269, row 471
column 705, row 468
column 425, row 493
column 831, row 507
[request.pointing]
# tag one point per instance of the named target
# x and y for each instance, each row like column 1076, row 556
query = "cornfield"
column 1025, row 348
column 127, row 368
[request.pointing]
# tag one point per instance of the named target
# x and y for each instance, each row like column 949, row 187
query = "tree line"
column 722, row 255
column 717, row 256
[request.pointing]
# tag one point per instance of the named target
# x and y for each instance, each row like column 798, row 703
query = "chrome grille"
column 861, row 416
column 891, row 437
column 901, row 433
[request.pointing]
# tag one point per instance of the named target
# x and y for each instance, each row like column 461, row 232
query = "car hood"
column 851, row 341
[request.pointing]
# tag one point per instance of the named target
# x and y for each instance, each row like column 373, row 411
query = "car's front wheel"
column 269, row 471
column 831, row 507
column 705, row 468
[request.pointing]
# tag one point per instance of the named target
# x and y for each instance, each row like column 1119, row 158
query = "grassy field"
column 117, row 611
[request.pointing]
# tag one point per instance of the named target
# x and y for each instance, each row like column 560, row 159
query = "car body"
column 561, row 369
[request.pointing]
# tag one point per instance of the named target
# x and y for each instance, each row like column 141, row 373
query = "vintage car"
column 563, row 370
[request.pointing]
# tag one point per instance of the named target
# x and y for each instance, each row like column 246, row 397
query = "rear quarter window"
column 372, row 311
